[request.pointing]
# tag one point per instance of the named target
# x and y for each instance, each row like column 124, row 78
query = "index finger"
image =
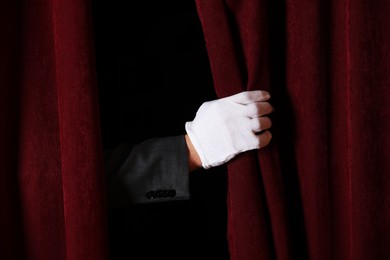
column 251, row 96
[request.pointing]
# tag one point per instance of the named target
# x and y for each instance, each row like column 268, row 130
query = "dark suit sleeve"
column 155, row 170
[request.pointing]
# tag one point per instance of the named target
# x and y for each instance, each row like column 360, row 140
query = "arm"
column 158, row 169
column 155, row 170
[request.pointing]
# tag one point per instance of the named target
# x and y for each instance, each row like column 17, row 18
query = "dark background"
column 153, row 74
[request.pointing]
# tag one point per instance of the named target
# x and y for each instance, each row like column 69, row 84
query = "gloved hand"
column 228, row 126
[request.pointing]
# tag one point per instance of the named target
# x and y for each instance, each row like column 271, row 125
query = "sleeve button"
column 150, row 195
column 172, row 193
column 159, row 194
column 166, row 193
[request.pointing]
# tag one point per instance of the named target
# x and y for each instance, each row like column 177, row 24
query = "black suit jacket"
column 155, row 170
column 150, row 211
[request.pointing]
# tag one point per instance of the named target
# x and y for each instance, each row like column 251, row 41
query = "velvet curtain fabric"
column 321, row 189
column 52, row 202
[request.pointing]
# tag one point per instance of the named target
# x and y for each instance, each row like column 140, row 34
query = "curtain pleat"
column 320, row 190
column 237, row 41
column 51, row 169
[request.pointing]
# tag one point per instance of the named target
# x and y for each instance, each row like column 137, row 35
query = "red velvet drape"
column 321, row 190
column 51, row 182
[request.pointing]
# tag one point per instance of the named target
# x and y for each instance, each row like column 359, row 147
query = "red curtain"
column 51, row 181
column 321, row 190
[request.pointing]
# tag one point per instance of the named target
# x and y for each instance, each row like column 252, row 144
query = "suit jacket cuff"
column 155, row 170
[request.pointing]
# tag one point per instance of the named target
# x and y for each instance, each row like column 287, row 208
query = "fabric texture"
column 52, row 198
column 155, row 170
column 320, row 190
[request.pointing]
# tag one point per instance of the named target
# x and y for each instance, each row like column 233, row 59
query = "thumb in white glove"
column 228, row 126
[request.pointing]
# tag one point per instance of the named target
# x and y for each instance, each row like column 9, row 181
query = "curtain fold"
column 321, row 188
column 52, row 187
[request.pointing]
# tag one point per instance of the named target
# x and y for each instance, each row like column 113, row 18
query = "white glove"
column 228, row 126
